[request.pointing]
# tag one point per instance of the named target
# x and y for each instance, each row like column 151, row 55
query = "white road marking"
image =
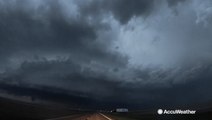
column 59, row 118
column 105, row 116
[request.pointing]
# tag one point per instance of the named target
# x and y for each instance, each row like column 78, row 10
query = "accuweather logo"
column 160, row 111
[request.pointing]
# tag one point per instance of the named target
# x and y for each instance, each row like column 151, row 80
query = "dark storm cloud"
column 67, row 79
column 63, row 77
column 38, row 34
column 122, row 10
column 71, row 53
column 47, row 29
column 174, row 2
column 20, row 31
column 49, row 32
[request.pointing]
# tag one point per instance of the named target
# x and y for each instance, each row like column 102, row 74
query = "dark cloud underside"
column 123, row 10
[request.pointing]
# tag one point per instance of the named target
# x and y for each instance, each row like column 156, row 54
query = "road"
column 95, row 116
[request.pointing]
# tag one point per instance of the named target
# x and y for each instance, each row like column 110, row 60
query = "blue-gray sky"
column 147, row 50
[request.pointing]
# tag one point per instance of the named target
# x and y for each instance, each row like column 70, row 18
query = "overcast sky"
column 155, row 51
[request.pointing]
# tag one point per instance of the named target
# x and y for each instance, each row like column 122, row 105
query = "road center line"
column 105, row 116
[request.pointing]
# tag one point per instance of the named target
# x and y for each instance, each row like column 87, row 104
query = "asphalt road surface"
column 95, row 116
